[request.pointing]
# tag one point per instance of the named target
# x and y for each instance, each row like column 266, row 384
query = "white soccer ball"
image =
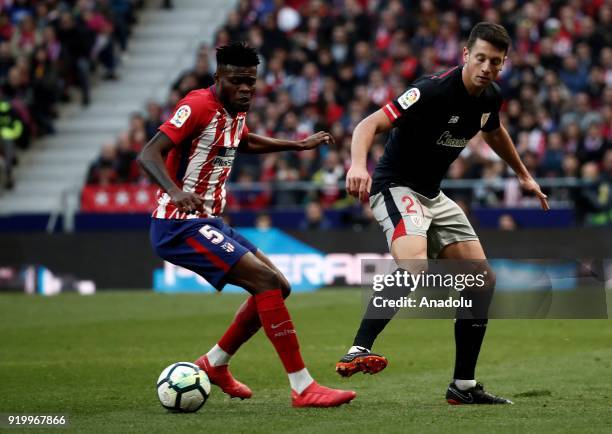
column 183, row 387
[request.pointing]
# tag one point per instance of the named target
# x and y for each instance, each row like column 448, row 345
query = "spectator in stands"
column 47, row 46
column 122, row 17
column 552, row 162
column 77, row 41
column 103, row 47
column 248, row 197
column 329, row 67
column 199, row 76
column 263, row 222
column 314, row 218
column 329, row 177
column 11, row 134
column 103, row 171
column 594, row 144
column 154, row 119
column 507, row 223
column 571, row 166
column 137, row 131
column 125, row 161
column 581, row 112
column 45, row 90
column 594, row 201
column 361, row 218
column 285, row 172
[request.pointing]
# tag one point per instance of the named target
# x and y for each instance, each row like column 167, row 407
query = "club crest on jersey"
column 409, row 97
column 180, row 116
column 228, row 247
column 484, row 118
column 417, row 220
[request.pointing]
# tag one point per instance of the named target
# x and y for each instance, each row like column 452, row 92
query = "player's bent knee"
column 266, row 279
column 285, row 286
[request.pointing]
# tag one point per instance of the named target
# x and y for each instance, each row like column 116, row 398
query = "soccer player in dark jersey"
column 430, row 125
column 190, row 158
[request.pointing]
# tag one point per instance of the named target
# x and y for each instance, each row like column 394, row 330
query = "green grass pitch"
column 97, row 359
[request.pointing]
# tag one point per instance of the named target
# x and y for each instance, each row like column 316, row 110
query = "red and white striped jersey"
column 206, row 138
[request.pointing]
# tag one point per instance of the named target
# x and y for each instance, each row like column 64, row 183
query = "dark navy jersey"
column 433, row 121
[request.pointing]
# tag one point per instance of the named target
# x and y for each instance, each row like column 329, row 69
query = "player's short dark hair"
column 493, row 33
column 237, row 53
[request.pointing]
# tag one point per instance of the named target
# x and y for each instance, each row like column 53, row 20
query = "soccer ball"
column 183, row 387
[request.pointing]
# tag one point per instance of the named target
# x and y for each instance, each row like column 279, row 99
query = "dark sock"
column 470, row 329
column 369, row 329
column 376, row 319
column 469, row 334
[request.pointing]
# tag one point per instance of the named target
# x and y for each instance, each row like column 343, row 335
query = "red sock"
column 279, row 329
column 245, row 324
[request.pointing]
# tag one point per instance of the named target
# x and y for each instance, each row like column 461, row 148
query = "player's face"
column 236, row 86
column 483, row 63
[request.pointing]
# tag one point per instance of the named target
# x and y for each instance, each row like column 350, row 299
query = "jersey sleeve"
column 490, row 121
column 191, row 114
column 414, row 98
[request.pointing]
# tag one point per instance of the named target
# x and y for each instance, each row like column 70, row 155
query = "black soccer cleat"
column 361, row 361
column 475, row 395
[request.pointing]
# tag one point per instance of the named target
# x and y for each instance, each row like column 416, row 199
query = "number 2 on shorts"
column 410, row 201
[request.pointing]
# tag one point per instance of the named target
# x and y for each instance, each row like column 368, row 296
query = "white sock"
column 354, row 349
column 300, row 380
column 465, row 384
column 218, row 357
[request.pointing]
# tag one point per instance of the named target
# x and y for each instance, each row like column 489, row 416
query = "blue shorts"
column 207, row 246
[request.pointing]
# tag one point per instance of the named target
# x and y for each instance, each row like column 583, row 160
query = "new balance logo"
column 453, row 120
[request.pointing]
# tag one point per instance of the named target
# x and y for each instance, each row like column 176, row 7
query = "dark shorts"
column 207, row 247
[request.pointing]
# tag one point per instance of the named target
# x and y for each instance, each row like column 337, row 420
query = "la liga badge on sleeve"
column 180, row 116
column 409, row 97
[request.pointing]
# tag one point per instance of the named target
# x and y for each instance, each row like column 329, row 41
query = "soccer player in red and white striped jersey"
column 190, row 158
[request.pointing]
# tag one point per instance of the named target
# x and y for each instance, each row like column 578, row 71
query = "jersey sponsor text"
column 447, row 139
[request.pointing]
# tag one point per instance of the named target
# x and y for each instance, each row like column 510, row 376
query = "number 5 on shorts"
column 211, row 234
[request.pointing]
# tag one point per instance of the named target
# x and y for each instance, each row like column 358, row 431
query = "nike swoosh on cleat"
column 469, row 398
column 275, row 326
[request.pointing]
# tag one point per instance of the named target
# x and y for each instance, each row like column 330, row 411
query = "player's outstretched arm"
column 151, row 159
column 358, row 180
column 262, row 145
column 499, row 140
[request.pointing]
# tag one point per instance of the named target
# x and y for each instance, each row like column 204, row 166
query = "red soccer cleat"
column 316, row 395
column 222, row 377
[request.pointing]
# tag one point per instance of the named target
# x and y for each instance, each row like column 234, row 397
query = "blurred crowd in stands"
column 50, row 50
column 328, row 64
